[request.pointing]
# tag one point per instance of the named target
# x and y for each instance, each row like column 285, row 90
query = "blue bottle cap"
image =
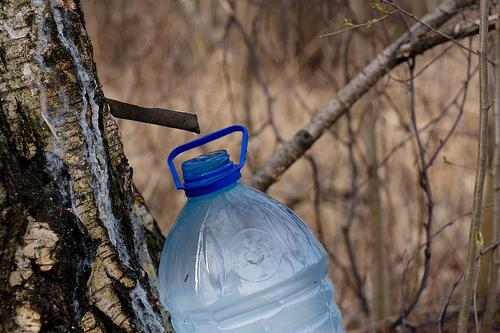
column 209, row 172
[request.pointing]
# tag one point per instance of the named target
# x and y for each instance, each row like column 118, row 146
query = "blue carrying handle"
column 205, row 139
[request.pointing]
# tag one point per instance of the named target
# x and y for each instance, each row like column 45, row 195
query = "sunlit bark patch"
column 27, row 319
column 39, row 245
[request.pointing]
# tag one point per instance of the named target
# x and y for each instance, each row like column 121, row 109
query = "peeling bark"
column 79, row 249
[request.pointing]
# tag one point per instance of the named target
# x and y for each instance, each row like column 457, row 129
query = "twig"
column 427, row 126
column 443, row 112
column 317, row 213
column 317, row 199
column 226, row 76
column 426, row 188
column 366, row 24
column 430, row 27
column 442, row 315
column 346, row 228
column 443, row 142
column 433, row 60
column 261, row 79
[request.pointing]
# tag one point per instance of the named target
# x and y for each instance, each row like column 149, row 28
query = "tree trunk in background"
column 493, row 262
column 475, row 238
column 379, row 296
column 487, row 217
column 78, row 248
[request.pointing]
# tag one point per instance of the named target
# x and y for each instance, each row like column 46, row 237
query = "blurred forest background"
column 261, row 63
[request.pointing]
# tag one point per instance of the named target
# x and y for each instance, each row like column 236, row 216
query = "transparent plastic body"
column 237, row 260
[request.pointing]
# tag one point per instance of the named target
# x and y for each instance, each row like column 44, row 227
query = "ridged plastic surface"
column 237, row 260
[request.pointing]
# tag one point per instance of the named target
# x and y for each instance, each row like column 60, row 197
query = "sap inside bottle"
column 237, row 260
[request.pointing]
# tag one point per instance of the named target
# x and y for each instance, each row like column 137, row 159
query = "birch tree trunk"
column 78, row 248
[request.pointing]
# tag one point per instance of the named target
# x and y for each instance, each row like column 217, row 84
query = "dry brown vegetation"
column 259, row 63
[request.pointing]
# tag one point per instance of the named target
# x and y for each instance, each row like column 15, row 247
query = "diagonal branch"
column 399, row 51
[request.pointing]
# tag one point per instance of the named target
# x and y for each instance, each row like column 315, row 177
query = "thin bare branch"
column 442, row 315
column 430, row 27
column 259, row 73
column 366, row 24
column 461, row 107
column 474, row 234
column 346, row 228
column 426, row 189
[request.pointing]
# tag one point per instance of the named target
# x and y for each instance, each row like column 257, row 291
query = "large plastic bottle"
column 238, row 261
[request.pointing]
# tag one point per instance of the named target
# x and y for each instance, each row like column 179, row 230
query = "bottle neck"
column 208, row 173
column 213, row 194
column 219, row 184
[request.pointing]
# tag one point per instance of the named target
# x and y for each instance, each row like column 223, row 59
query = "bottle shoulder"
column 242, row 213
